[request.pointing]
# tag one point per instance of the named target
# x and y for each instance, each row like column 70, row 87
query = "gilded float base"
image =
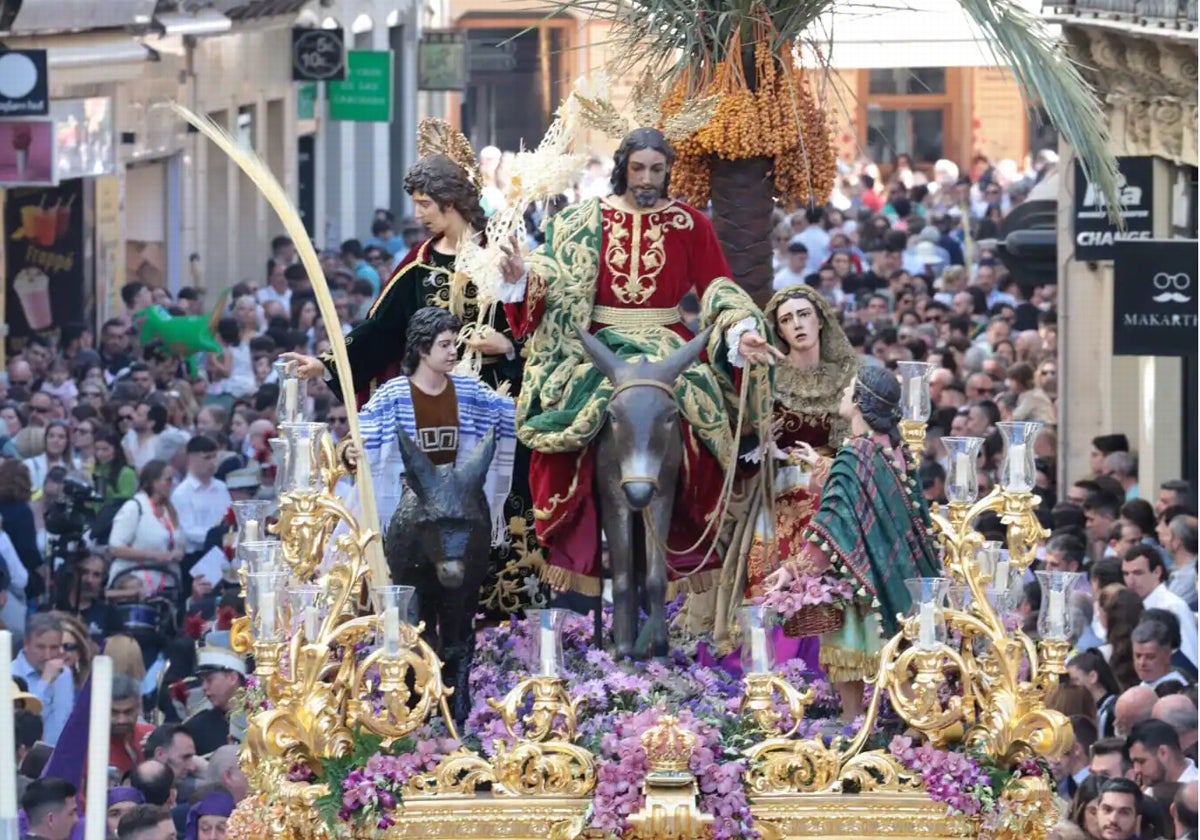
column 897, row 816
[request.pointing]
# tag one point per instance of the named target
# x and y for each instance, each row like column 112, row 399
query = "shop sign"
column 442, row 61
column 1096, row 236
column 318, row 55
column 306, row 178
column 27, row 154
column 110, row 250
column 24, row 85
column 45, row 260
column 83, row 130
column 366, row 94
column 1183, row 202
column 1155, row 295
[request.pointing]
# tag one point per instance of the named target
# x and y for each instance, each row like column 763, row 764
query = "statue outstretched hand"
column 307, row 367
column 757, row 350
column 512, row 267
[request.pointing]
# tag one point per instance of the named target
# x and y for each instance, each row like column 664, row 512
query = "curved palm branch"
column 676, row 36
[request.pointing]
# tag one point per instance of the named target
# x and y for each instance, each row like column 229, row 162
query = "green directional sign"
column 366, row 95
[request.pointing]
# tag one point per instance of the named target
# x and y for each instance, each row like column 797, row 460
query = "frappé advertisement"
column 45, row 257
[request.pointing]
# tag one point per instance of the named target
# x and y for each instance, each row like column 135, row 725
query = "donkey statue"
column 639, row 451
column 438, row 542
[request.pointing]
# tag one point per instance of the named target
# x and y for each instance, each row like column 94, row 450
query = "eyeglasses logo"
column 1171, row 288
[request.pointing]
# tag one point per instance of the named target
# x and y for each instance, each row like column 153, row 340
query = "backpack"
column 102, row 524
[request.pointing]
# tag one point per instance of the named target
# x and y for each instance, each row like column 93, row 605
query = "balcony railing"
column 1179, row 15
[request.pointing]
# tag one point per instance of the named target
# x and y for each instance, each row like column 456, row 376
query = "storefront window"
column 919, row 133
column 904, row 80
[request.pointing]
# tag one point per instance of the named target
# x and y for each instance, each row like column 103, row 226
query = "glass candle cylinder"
column 928, row 606
column 962, row 474
column 293, row 394
column 1056, row 619
column 758, row 648
column 265, row 593
column 304, row 470
column 1017, row 473
column 545, row 654
column 308, row 609
column 262, row 557
column 392, row 604
column 914, row 389
column 251, row 517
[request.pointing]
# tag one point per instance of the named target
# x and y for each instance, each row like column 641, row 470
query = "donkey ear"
column 474, row 469
column 609, row 363
column 670, row 368
column 417, row 467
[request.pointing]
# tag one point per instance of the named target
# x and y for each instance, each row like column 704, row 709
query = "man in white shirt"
column 795, row 269
column 200, row 500
column 1145, row 573
column 1156, row 756
column 1152, row 647
column 141, row 441
column 276, row 290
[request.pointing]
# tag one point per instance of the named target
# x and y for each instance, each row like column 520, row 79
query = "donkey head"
column 642, row 414
column 451, row 516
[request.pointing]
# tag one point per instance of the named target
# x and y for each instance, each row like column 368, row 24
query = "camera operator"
column 68, row 517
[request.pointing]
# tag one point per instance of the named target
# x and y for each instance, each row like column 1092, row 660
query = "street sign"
column 442, row 61
column 366, row 94
column 24, row 86
column 1155, row 298
column 318, row 55
column 1096, row 237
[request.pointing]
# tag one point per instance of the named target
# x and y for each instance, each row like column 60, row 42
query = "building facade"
column 1142, row 59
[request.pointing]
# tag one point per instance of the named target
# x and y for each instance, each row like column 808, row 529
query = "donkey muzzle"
column 639, row 491
column 451, row 573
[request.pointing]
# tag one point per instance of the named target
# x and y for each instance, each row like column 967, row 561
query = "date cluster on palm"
column 766, row 107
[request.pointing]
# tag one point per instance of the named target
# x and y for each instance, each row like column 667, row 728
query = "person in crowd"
column 1183, row 812
column 1119, row 810
column 1075, row 765
column 146, row 544
column 222, row 673
column 146, row 822
column 40, row 664
column 49, row 805
column 121, row 800
column 1156, row 755
column 127, row 732
column 155, row 781
column 1110, row 759
column 1179, row 712
column 172, row 746
column 1090, row 669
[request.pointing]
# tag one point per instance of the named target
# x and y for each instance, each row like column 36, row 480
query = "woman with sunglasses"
column 113, row 477
column 57, row 453
column 77, row 649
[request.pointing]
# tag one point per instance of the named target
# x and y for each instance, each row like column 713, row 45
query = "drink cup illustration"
column 45, row 226
column 21, row 141
column 32, row 286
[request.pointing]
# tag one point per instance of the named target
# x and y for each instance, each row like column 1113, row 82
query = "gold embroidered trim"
column 846, row 665
column 636, row 254
column 617, row 316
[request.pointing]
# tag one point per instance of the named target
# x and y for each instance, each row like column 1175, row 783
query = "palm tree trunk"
column 742, row 201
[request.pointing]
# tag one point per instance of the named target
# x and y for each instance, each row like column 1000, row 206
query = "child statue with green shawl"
column 871, row 532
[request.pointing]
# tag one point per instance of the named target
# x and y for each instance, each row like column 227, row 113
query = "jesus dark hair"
column 424, row 327
column 444, row 181
column 640, row 140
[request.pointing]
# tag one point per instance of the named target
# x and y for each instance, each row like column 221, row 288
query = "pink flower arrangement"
column 808, row 590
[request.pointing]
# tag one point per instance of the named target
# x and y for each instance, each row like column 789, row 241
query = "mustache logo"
column 1171, row 297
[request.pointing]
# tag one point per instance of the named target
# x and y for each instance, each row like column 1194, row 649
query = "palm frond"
column 1048, row 76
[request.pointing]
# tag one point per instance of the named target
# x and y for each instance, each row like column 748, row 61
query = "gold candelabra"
column 333, row 666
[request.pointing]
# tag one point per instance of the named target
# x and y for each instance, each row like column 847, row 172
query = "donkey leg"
column 458, row 642
column 659, row 518
column 625, row 604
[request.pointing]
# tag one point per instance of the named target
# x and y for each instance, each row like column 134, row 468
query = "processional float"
column 343, row 685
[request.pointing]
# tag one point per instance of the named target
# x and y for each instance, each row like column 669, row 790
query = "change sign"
column 1095, row 235
column 366, row 94
column 1155, row 298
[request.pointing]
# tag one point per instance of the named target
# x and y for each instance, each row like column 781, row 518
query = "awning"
column 35, row 16
column 203, row 22
column 914, row 33
column 84, row 49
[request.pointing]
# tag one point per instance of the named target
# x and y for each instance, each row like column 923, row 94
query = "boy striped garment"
column 480, row 410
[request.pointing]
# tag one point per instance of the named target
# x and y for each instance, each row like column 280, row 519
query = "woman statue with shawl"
column 819, row 363
column 870, row 533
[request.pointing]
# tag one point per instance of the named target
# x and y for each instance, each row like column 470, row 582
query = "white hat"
column 218, row 654
column 926, row 253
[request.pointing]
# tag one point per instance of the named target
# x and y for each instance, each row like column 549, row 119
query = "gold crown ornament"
column 438, row 137
column 668, row 746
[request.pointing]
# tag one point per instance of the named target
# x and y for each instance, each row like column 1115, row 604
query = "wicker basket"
column 814, row 620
